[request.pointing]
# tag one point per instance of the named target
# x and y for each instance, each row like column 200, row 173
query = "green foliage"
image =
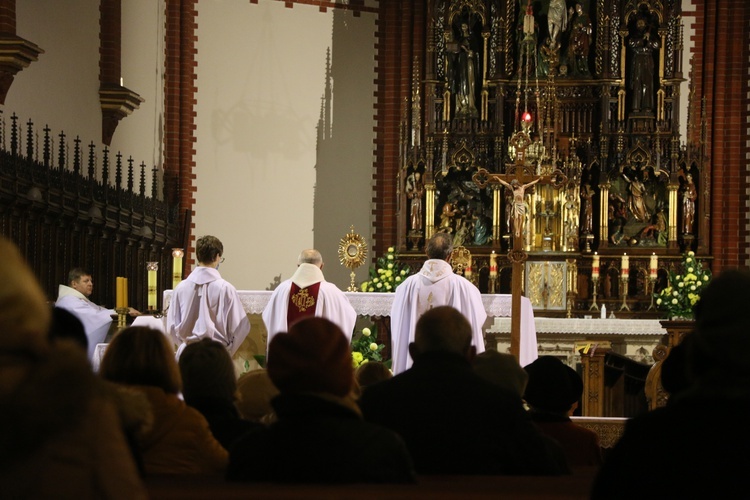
column 365, row 347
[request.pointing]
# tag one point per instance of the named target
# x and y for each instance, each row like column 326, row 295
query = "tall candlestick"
column 595, row 266
column 654, row 265
column 625, row 265
column 152, row 268
column 493, row 265
column 177, row 254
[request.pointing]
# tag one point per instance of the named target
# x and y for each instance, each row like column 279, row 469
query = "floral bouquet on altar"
column 366, row 349
column 683, row 291
column 387, row 274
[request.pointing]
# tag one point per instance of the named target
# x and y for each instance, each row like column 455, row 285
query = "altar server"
column 434, row 285
column 305, row 294
column 205, row 305
column 74, row 297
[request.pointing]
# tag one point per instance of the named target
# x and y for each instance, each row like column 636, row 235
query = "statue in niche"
column 580, row 41
column 557, row 20
column 465, row 71
column 415, row 192
column 481, row 227
column 637, row 198
column 689, row 195
column 587, row 221
column 446, row 218
column 643, row 46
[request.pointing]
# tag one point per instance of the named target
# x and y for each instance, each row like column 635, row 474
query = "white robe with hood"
column 434, row 285
column 205, row 305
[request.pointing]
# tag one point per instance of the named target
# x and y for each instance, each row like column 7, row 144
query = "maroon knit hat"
column 313, row 357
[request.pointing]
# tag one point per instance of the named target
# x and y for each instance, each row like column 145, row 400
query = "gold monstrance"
column 352, row 254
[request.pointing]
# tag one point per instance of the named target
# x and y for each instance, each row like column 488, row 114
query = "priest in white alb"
column 307, row 293
column 205, row 305
column 434, row 285
column 74, row 297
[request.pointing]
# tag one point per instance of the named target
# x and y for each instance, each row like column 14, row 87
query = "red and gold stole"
column 302, row 302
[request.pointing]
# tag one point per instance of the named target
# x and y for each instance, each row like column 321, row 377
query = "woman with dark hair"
column 179, row 441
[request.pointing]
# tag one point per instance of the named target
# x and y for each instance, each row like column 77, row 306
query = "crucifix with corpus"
column 518, row 178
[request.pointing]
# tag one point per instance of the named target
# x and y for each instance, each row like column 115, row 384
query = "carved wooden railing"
column 61, row 206
column 613, row 384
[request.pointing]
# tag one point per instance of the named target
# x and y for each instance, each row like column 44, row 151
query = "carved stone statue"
column 580, row 41
column 557, row 19
column 587, row 221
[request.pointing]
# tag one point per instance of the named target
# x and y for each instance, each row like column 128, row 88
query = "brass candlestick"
column 122, row 313
column 624, row 293
column 594, row 305
column 652, row 282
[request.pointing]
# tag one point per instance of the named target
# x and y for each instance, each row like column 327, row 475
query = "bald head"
column 310, row 256
column 442, row 329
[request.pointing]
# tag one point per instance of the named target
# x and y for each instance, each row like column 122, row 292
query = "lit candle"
column 493, row 265
column 152, row 268
column 625, row 265
column 654, row 265
column 595, row 267
column 467, row 269
column 177, row 254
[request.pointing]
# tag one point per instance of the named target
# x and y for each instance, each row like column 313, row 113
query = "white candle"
column 595, row 267
column 467, row 270
column 625, row 265
column 493, row 265
column 152, row 268
column 177, row 254
column 654, row 265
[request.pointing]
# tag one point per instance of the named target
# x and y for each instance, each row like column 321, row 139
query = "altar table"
column 379, row 304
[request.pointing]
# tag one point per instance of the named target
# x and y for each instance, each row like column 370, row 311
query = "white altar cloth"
column 379, row 304
column 578, row 326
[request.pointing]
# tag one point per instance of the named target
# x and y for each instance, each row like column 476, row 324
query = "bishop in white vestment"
column 205, row 305
column 434, row 285
column 307, row 293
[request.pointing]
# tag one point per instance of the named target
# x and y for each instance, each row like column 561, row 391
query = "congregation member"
column 452, row 420
column 695, row 446
column 307, row 294
column 58, row 438
column 371, row 373
column 501, row 369
column 319, row 435
column 204, row 305
column 75, row 297
column 552, row 393
column 434, row 285
column 255, row 392
column 209, row 384
column 179, row 440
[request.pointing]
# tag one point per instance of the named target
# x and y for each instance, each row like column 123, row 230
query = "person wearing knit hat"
column 697, row 442
column 319, row 435
column 552, row 393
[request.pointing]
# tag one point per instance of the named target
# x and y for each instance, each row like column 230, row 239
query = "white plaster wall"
column 61, row 89
column 261, row 81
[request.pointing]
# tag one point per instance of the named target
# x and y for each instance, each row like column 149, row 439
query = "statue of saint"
column 587, row 223
column 557, row 19
column 465, row 73
column 689, row 195
column 643, row 45
column 580, row 41
column 636, row 199
column 446, row 218
column 415, row 192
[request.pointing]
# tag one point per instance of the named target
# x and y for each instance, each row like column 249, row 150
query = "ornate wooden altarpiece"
column 582, row 94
